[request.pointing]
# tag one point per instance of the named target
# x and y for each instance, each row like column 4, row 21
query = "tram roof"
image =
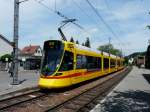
column 94, row 50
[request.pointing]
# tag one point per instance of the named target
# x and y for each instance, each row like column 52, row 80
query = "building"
column 30, row 57
column 140, row 61
column 5, row 46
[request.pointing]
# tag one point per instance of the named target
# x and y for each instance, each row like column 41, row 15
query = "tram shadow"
column 128, row 101
column 147, row 77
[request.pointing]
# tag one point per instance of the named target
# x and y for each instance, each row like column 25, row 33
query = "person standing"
column 11, row 69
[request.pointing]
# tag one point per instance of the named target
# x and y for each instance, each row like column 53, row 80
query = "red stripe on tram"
column 69, row 76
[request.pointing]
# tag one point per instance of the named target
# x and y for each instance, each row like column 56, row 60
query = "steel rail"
column 10, row 102
column 35, row 96
column 105, row 90
column 56, row 107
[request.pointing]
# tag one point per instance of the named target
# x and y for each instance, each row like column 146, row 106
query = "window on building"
column 106, row 63
column 112, row 63
column 67, row 62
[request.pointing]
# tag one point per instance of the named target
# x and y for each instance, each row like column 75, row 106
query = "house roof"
column 29, row 50
column 6, row 40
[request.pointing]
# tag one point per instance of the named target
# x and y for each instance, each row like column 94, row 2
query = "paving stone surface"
column 26, row 78
column 132, row 94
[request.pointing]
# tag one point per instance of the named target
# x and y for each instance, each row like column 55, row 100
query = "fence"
column 3, row 66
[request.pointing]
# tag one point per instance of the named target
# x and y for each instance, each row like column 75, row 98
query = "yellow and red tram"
column 65, row 64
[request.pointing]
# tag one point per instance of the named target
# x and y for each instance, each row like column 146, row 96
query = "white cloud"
column 38, row 24
column 138, row 41
column 128, row 11
column 6, row 19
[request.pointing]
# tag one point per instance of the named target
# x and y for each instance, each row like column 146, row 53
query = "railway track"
column 73, row 100
column 10, row 102
column 80, row 102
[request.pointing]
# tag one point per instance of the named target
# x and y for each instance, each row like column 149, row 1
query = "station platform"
column 27, row 79
column 132, row 94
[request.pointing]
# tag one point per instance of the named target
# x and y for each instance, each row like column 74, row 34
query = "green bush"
column 3, row 58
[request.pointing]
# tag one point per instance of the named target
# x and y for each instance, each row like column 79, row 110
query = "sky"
column 127, row 18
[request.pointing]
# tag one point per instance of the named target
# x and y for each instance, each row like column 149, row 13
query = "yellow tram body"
column 84, row 64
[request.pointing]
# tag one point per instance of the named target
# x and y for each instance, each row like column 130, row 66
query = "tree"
column 87, row 42
column 71, row 39
column 148, row 26
column 6, row 56
column 109, row 48
column 77, row 42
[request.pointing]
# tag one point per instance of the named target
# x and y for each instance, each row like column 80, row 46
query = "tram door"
column 79, row 68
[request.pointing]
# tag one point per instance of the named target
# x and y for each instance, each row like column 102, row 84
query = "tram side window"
column 106, row 63
column 121, row 63
column 81, row 62
column 93, row 62
column 99, row 63
column 112, row 63
column 90, row 64
column 67, row 62
column 118, row 62
column 84, row 61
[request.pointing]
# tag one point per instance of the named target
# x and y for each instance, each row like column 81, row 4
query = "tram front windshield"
column 52, row 57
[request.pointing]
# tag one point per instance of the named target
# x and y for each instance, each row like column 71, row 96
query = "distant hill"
column 133, row 55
